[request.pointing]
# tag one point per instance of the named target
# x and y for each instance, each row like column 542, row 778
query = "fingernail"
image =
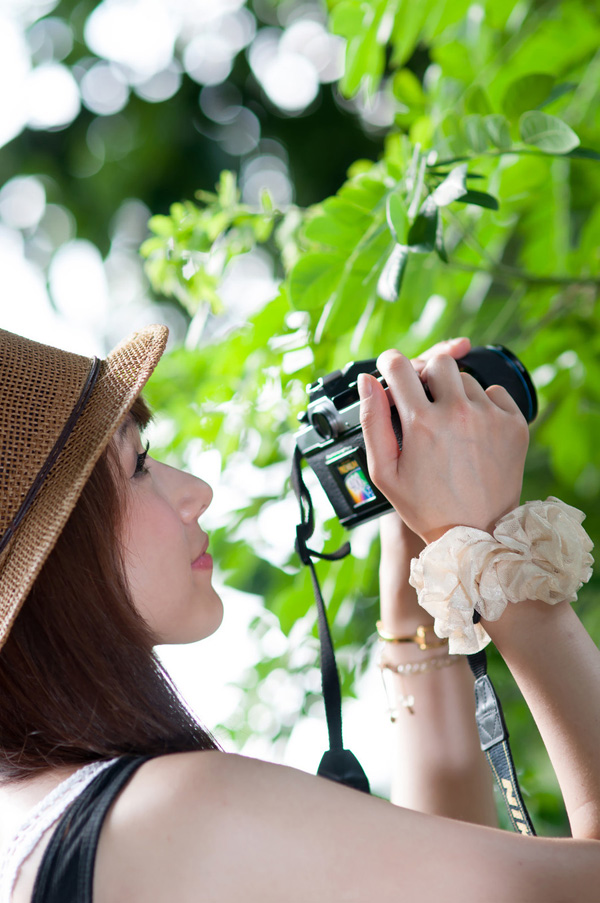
column 364, row 385
column 456, row 341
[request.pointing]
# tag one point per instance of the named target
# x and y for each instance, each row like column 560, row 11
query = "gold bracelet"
column 420, row 637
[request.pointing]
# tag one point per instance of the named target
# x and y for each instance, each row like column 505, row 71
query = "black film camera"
column 331, row 437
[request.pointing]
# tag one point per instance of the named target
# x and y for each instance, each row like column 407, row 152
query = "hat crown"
column 39, row 387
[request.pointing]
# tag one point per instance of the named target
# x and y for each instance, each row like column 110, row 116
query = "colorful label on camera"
column 357, row 486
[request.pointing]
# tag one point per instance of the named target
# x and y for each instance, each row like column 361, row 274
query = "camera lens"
column 321, row 423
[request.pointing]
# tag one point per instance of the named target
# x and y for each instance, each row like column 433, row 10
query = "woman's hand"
column 462, row 457
column 400, row 610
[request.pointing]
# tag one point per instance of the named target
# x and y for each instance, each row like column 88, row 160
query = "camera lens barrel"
column 495, row 365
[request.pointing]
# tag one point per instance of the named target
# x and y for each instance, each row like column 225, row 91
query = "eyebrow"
column 127, row 425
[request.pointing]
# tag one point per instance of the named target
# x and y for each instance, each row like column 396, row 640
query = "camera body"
column 331, row 437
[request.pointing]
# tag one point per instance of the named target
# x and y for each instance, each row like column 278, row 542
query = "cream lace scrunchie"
column 537, row 551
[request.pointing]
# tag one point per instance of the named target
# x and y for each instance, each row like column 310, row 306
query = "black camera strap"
column 338, row 764
column 493, row 737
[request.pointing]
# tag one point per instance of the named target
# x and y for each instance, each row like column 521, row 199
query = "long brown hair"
column 79, row 679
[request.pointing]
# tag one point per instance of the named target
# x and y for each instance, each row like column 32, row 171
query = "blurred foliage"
column 480, row 218
column 161, row 152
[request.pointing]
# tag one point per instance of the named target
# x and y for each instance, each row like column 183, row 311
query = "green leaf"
column 364, row 192
column 339, row 224
column 406, row 88
column 313, row 279
column 548, row 133
column 162, row 225
column 450, row 129
column 422, row 233
column 347, row 18
column 397, row 217
column 476, row 101
column 452, row 188
column 557, row 92
column 498, row 128
column 527, row 93
column 266, row 201
column 480, row 199
column 227, row 188
column 583, row 153
column 390, row 281
column 439, row 241
column 475, row 133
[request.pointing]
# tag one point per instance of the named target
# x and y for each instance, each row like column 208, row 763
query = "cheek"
column 153, row 540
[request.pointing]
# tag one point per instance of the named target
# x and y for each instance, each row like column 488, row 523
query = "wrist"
column 484, row 524
column 524, row 624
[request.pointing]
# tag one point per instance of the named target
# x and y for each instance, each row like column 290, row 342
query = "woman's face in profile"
column 163, row 545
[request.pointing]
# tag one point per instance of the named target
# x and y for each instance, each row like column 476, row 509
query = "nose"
column 188, row 494
column 195, row 499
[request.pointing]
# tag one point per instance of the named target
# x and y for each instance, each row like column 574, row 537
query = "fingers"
column 454, row 347
column 404, row 384
column 444, row 379
column 376, row 422
column 473, row 389
column 503, row 399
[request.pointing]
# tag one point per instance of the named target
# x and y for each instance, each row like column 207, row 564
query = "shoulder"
column 222, row 825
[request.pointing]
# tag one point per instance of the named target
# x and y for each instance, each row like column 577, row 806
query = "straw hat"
column 58, row 412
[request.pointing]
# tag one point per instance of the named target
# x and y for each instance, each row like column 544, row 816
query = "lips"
column 201, row 553
column 202, row 561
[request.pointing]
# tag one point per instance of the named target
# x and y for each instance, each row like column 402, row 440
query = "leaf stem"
column 514, row 274
column 497, row 153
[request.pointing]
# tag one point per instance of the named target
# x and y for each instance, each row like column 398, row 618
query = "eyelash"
column 141, row 460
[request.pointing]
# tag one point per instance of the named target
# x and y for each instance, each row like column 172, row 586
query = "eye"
column 141, row 461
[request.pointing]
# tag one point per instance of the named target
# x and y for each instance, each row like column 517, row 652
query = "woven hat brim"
column 122, row 377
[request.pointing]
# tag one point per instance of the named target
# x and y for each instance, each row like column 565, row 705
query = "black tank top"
column 66, row 873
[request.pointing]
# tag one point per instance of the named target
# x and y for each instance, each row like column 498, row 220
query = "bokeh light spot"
column 221, row 103
column 103, row 89
column 242, row 134
column 289, row 79
column 161, row 86
column 266, row 173
column 139, row 34
column 51, row 97
column 22, row 202
column 15, row 64
column 208, row 58
column 50, row 39
column 78, row 283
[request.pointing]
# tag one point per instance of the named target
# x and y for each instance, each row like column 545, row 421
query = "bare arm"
column 222, row 828
column 462, row 462
column 438, row 764
column 557, row 667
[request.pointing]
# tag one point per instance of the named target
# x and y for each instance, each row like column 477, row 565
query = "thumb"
column 376, row 422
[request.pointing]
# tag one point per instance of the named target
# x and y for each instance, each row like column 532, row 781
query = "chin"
column 211, row 613
column 206, row 619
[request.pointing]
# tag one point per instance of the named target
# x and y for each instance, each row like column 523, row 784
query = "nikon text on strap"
column 493, row 737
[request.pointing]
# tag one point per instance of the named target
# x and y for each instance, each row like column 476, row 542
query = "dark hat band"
column 52, row 457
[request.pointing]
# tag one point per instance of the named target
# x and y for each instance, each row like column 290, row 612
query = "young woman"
column 110, row 790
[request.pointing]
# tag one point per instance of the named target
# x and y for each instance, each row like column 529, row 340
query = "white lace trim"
column 42, row 817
